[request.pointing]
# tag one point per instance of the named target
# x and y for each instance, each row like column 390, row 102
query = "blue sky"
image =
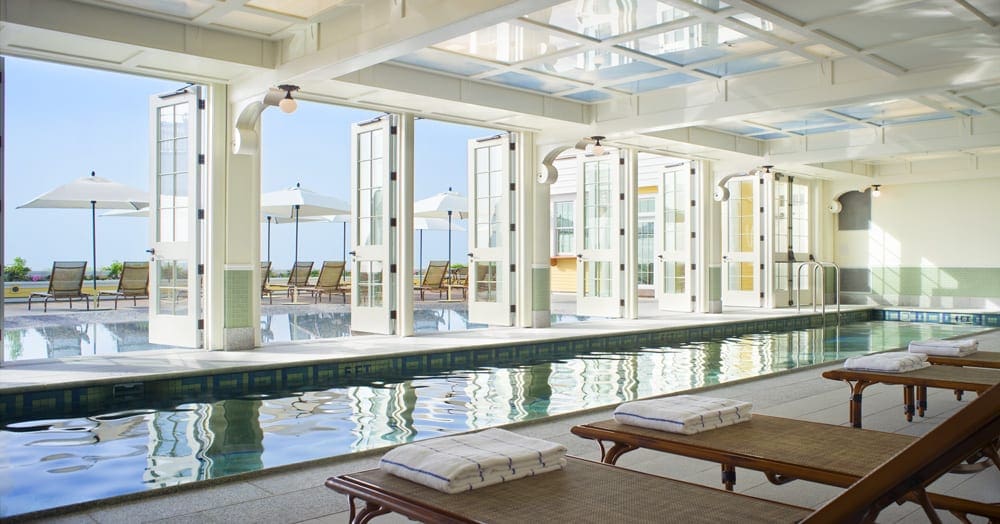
column 63, row 122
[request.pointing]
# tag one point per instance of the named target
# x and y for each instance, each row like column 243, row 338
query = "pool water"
column 59, row 462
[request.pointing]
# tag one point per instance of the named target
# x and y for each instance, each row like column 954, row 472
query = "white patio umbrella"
column 296, row 202
column 91, row 192
column 443, row 205
column 420, row 224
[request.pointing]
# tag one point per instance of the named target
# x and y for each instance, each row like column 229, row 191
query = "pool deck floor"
column 296, row 493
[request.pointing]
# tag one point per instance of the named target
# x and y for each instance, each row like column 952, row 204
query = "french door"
column 372, row 193
column 791, row 220
column 673, row 239
column 175, row 279
column 742, row 243
column 490, row 240
column 599, row 241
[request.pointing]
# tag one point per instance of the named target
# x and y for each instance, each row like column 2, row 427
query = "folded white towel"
column 948, row 348
column 473, row 460
column 687, row 414
column 895, row 362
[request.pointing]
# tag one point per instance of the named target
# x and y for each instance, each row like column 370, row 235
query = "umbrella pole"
column 93, row 237
column 269, row 238
column 345, row 242
column 420, row 268
column 296, row 234
column 449, row 241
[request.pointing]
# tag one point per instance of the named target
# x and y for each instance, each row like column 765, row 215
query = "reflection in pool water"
column 59, row 462
column 95, row 338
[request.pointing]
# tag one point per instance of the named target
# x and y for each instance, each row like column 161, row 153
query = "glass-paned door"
column 598, row 242
column 372, row 158
column 174, row 283
column 741, row 254
column 489, row 231
column 792, row 240
column 673, row 242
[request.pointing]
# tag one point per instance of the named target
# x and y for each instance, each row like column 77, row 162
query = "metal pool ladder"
column 817, row 268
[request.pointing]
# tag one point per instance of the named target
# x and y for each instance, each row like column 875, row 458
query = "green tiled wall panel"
column 938, row 281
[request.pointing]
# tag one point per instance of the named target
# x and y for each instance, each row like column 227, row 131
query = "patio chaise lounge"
column 133, row 282
column 593, row 492
column 329, row 282
column 783, row 449
column 265, row 282
column 947, row 377
column 65, row 283
column 434, row 278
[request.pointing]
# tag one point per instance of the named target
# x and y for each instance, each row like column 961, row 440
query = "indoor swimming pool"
column 63, row 461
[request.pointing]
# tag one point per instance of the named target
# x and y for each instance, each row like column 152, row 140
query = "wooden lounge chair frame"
column 265, row 277
column 783, row 449
column 65, row 283
column 593, row 492
column 434, row 278
column 133, row 282
column 459, row 279
column 947, row 377
column 329, row 282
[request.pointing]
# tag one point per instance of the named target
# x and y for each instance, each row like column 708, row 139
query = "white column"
column 630, row 291
column 530, row 227
column 404, row 227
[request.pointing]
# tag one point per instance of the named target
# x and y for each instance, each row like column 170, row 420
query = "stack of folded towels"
column 687, row 414
column 473, row 460
column 895, row 362
column 945, row 348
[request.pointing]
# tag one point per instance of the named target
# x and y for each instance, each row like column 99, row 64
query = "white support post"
column 404, row 227
column 631, row 224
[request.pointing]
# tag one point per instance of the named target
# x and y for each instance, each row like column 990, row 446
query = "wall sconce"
column 875, row 190
column 288, row 104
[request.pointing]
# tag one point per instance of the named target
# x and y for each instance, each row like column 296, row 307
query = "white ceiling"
column 844, row 88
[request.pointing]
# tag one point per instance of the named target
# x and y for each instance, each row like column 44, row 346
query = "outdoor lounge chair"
column 947, row 377
column 133, row 282
column 329, row 281
column 783, row 449
column 65, row 283
column 459, row 279
column 592, row 492
column 298, row 278
column 434, row 278
column 265, row 278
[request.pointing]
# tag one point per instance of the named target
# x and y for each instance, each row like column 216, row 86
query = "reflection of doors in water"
column 238, row 440
column 741, row 243
column 64, row 341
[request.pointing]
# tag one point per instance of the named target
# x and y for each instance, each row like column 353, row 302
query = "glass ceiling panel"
column 698, row 43
column 754, row 63
column 770, row 136
column 814, row 119
column 506, row 43
column 886, row 109
column 767, row 26
column 843, row 126
column 659, row 82
column 914, row 118
column 532, row 82
column 590, row 95
column 299, row 8
column 444, row 62
column 596, row 65
column 603, row 19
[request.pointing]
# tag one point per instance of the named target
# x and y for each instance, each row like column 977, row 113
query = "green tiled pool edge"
column 59, row 401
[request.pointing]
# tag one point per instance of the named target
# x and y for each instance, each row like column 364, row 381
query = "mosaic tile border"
column 937, row 317
column 62, row 402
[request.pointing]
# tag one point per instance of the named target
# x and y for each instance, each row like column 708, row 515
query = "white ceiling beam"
column 377, row 32
column 805, row 87
column 979, row 14
column 120, row 27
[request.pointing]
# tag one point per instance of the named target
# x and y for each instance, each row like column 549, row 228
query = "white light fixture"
column 598, row 149
column 288, row 104
column 875, row 190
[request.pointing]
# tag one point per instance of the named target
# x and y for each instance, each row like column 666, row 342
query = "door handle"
column 659, row 257
column 579, row 256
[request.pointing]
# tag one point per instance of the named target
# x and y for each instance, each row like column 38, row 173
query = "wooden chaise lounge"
column 947, row 377
column 783, row 449
column 593, row 492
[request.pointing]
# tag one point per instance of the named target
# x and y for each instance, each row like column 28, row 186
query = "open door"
column 741, row 244
column 490, row 231
column 673, row 239
column 792, row 212
column 372, row 158
column 175, row 280
column 598, row 239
